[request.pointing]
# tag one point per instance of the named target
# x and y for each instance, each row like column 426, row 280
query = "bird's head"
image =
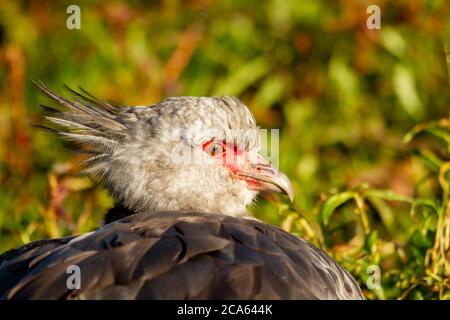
column 184, row 153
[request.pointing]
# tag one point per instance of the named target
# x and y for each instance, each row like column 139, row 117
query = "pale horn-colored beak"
column 267, row 178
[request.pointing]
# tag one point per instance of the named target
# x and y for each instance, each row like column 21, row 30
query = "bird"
column 183, row 173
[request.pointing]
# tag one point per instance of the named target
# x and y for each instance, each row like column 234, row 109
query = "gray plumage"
column 132, row 147
column 177, row 255
column 190, row 236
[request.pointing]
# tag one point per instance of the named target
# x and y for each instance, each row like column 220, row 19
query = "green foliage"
column 342, row 95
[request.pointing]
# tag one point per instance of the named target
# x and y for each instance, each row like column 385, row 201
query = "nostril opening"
column 265, row 169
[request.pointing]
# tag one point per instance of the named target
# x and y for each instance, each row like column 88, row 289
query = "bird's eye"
column 214, row 149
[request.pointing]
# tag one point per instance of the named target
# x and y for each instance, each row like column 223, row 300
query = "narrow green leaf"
column 387, row 195
column 440, row 133
column 331, row 205
column 243, row 77
column 404, row 84
column 429, row 158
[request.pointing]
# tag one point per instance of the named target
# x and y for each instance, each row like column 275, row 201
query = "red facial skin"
column 237, row 161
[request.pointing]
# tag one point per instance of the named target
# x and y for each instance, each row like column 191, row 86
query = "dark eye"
column 214, row 149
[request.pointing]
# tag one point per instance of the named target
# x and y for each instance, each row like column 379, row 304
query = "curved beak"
column 262, row 176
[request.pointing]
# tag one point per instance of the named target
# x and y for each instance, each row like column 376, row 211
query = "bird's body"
column 180, row 228
column 177, row 255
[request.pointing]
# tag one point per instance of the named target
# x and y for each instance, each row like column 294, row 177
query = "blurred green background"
column 344, row 97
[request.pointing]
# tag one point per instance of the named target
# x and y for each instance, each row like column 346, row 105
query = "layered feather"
column 177, row 255
column 94, row 126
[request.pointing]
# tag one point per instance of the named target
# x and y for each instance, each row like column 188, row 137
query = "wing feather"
column 177, row 255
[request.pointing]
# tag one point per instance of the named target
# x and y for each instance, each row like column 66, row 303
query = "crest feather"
column 88, row 122
column 95, row 127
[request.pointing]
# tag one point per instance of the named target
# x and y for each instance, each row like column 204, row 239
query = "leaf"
column 271, row 91
column 423, row 203
column 243, row 77
column 393, row 41
column 387, row 195
column 405, row 89
column 420, row 240
column 438, row 128
column 371, row 242
column 440, row 133
column 429, row 158
column 331, row 204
